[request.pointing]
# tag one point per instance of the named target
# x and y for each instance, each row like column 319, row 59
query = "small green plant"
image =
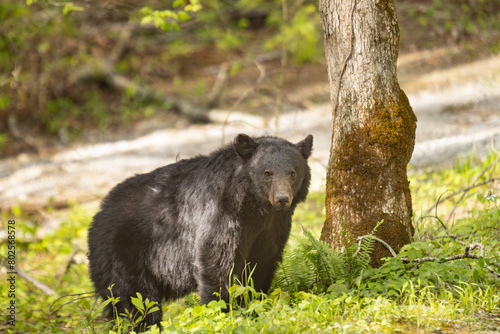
column 91, row 313
column 135, row 317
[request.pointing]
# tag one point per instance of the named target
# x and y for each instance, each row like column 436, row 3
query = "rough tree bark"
column 373, row 126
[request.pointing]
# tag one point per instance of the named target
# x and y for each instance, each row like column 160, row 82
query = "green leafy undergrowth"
column 435, row 192
column 55, row 259
column 446, row 280
column 303, row 312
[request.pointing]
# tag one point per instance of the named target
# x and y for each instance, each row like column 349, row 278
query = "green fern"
column 328, row 263
column 309, row 265
column 295, row 273
column 312, row 265
column 358, row 255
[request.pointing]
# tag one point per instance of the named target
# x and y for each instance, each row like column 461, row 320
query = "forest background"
column 93, row 66
column 90, row 73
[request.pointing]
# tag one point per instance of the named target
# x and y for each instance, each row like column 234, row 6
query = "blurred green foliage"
column 470, row 16
column 452, row 21
column 58, row 62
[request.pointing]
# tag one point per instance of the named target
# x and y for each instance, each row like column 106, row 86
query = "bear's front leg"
column 215, row 256
column 267, row 251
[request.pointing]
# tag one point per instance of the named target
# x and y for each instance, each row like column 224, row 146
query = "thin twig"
column 454, row 237
column 220, row 81
column 435, row 215
column 360, row 239
column 465, row 255
column 71, row 259
column 474, row 182
column 242, row 97
column 461, row 191
column 89, row 293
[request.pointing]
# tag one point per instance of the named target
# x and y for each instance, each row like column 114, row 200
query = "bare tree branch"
column 491, row 166
column 36, row 283
column 461, row 191
column 465, row 255
column 418, row 261
column 454, row 237
column 220, row 81
column 104, row 72
column 84, row 294
column 385, row 244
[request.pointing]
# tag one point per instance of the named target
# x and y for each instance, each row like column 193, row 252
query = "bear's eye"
column 293, row 174
column 268, row 173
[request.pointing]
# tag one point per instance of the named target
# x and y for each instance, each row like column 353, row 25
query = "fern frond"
column 328, row 263
column 309, row 265
column 295, row 272
column 364, row 249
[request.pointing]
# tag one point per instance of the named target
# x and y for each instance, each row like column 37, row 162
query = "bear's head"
column 278, row 169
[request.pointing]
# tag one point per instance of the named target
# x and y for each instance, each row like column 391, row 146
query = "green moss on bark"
column 369, row 171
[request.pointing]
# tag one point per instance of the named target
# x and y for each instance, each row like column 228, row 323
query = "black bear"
column 186, row 226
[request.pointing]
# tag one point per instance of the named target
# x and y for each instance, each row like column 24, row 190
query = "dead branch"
column 104, row 72
column 418, row 261
column 454, row 237
column 84, row 294
column 71, row 261
column 385, row 244
column 220, row 81
column 33, row 281
column 492, row 167
column 121, row 46
column 465, row 255
column 461, row 191
column 261, row 58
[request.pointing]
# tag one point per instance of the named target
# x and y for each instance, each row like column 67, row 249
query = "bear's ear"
column 305, row 146
column 244, row 146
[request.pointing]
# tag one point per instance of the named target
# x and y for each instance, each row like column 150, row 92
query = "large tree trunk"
column 373, row 127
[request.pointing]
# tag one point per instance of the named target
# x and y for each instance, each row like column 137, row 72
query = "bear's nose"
column 282, row 200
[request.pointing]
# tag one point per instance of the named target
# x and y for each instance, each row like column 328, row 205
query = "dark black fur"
column 182, row 227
